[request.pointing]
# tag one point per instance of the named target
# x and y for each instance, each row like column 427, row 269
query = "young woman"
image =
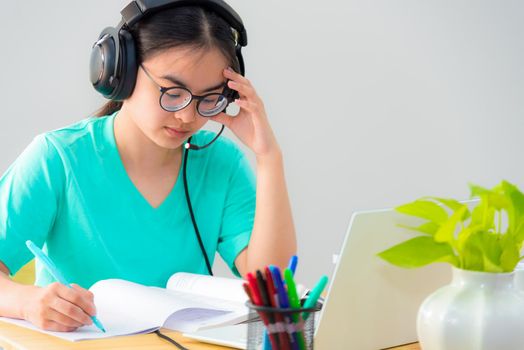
column 105, row 196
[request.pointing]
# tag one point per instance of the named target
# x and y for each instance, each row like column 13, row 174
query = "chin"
column 167, row 143
column 170, row 145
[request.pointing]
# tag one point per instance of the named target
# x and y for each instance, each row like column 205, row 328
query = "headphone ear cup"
column 234, row 95
column 102, row 63
column 240, row 59
column 230, row 94
column 128, row 67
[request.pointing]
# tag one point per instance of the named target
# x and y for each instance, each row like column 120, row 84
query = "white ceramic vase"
column 477, row 311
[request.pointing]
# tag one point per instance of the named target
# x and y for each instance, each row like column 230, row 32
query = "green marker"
column 294, row 302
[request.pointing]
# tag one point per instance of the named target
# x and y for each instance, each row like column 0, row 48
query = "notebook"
column 189, row 303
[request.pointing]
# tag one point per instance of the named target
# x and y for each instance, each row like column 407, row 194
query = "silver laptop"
column 371, row 304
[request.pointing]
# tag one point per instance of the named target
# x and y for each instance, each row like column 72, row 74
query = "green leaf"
column 489, row 266
column 516, row 196
column 446, row 232
column 424, row 209
column 518, row 233
column 516, row 210
column 483, row 215
column 478, row 245
column 477, row 191
column 482, row 251
column 452, row 204
column 471, row 257
column 429, row 228
column 498, row 201
column 419, row 251
column 510, row 254
column 491, row 247
column 464, row 235
column 494, row 198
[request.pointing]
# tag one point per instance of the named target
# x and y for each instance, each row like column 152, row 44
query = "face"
column 196, row 70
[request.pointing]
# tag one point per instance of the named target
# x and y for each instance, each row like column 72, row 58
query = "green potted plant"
column 481, row 309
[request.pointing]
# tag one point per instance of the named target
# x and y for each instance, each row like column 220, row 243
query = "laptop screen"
column 371, row 304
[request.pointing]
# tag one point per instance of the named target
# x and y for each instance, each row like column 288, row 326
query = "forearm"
column 12, row 297
column 273, row 239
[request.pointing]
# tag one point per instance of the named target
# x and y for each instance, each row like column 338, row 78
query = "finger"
column 62, row 319
column 246, row 104
column 71, row 311
column 231, row 74
column 222, row 118
column 243, row 89
column 238, row 78
column 87, row 294
column 80, row 299
column 49, row 325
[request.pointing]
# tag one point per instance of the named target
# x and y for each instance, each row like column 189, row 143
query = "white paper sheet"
column 126, row 308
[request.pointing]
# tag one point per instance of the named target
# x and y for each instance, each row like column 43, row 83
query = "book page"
column 118, row 310
column 113, row 329
column 125, row 308
column 121, row 301
column 229, row 289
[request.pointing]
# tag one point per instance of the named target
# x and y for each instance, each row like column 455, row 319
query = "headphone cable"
column 197, row 232
column 171, row 340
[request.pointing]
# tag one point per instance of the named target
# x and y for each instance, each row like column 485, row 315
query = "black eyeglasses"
column 173, row 99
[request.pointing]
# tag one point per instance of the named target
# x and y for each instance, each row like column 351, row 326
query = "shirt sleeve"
column 30, row 193
column 239, row 212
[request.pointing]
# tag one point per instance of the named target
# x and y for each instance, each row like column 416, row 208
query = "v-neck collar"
column 122, row 175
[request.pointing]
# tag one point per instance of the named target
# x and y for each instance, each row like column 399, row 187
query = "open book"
column 189, row 302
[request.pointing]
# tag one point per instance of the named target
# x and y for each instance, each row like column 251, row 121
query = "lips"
column 177, row 132
column 177, row 129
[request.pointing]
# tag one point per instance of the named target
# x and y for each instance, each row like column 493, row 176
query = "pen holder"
column 285, row 328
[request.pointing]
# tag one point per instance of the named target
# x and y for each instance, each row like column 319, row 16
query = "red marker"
column 257, row 300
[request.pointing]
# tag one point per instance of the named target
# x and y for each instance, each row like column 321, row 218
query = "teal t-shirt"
column 69, row 193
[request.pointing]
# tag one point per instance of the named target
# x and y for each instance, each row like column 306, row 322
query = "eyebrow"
column 176, row 81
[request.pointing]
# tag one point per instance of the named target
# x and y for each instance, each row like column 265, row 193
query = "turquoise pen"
column 314, row 295
column 53, row 270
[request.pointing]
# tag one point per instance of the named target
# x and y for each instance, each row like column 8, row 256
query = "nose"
column 188, row 113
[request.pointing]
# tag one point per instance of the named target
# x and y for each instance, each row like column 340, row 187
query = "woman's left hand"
column 250, row 125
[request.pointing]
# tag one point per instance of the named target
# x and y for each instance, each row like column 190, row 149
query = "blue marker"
column 283, row 300
column 293, row 264
column 279, row 285
column 53, row 270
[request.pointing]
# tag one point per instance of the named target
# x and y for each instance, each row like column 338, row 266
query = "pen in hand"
column 53, row 270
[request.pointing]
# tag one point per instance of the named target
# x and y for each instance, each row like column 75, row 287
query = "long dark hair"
column 188, row 26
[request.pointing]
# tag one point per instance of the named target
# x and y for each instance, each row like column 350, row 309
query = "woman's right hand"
column 59, row 308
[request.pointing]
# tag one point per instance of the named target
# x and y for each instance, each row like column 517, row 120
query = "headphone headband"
column 113, row 65
column 138, row 9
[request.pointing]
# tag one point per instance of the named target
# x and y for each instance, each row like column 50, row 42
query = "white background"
column 374, row 103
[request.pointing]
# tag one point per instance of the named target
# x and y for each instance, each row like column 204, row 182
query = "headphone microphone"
column 190, row 146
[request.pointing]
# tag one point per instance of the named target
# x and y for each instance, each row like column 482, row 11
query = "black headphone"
column 113, row 64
